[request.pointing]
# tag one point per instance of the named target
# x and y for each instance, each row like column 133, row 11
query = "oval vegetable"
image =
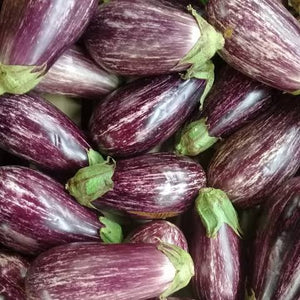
column 143, row 114
column 276, row 253
column 158, row 231
column 37, row 214
column 95, row 271
column 260, row 156
column 232, row 102
column 35, row 130
column 75, row 74
column 151, row 186
column 13, row 269
column 34, row 34
column 214, row 244
column 273, row 55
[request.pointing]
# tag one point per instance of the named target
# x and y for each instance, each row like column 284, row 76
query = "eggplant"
column 158, row 231
column 75, row 74
column 150, row 186
column 233, row 101
column 260, row 156
column 36, row 214
column 213, row 234
column 33, row 129
column 34, row 34
column 120, row 271
column 143, row 113
column 276, row 251
column 262, row 40
column 13, row 269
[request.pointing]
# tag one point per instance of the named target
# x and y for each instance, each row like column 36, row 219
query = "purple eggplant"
column 95, row 271
column 37, row 214
column 143, row 113
column 260, row 156
column 276, row 264
column 212, row 230
column 158, row 231
column 34, row 34
column 151, row 186
column 13, row 269
column 262, row 40
column 232, row 102
column 32, row 128
column 75, row 74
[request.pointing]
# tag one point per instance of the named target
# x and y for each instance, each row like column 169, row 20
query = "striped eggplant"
column 13, row 269
column 75, row 74
column 212, row 230
column 233, row 101
column 158, row 231
column 276, row 264
column 32, row 128
column 150, row 186
column 262, row 40
column 143, row 113
column 36, row 214
column 121, row 271
column 260, row 156
column 34, row 34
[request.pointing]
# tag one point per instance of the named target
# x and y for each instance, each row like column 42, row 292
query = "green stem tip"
column 215, row 209
column 183, row 265
column 111, row 233
column 195, row 139
column 94, row 157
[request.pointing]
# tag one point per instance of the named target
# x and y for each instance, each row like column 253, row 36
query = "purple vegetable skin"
column 13, row 269
column 262, row 40
column 95, row 271
column 158, row 231
column 143, row 113
column 260, row 156
column 151, row 186
column 233, row 101
column 32, row 128
column 276, row 264
column 37, row 214
column 76, row 75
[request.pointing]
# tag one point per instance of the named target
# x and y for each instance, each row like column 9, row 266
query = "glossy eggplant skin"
column 153, row 186
column 36, row 33
column 36, row 213
column 144, row 113
column 75, row 74
column 33, row 129
column 156, row 231
column 260, row 156
column 218, row 269
column 233, row 101
column 117, row 41
column 13, row 269
column 262, row 40
column 276, row 261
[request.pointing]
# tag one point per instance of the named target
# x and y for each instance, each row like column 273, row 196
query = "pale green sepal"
column 91, row 182
column 111, row 233
column 296, row 93
column 215, row 209
column 195, row 139
column 183, row 265
column 19, row 79
column 251, row 296
column 295, row 4
column 94, row 157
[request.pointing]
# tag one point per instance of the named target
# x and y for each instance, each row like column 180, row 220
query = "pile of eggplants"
column 181, row 181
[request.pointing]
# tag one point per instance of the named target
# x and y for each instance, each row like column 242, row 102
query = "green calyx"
column 91, row 182
column 183, row 265
column 195, row 139
column 199, row 56
column 215, row 209
column 111, row 233
column 94, row 157
column 19, row 79
column 296, row 93
column 250, row 296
